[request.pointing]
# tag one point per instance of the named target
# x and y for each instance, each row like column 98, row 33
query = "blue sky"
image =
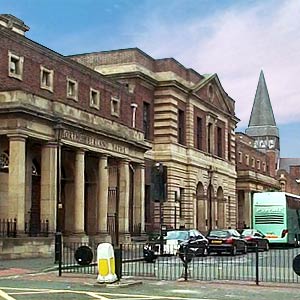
column 235, row 39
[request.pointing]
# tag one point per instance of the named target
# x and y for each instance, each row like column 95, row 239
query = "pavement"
column 44, row 269
column 26, row 266
column 41, row 273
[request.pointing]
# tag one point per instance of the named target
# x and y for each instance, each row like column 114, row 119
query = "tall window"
column 146, row 120
column 180, row 131
column 219, row 142
column 15, row 66
column 46, row 79
column 209, row 132
column 229, row 146
column 199, row 134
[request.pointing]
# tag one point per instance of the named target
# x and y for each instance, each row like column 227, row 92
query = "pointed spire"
column 262, row 113
column 262, row 121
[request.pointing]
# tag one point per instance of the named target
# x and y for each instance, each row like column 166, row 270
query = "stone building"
column 288, row 175
column 257, row 154
column 79, row 137
column 190, row 121
column 70, row 158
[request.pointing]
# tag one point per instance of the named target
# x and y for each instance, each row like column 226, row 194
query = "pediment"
column 211, row 91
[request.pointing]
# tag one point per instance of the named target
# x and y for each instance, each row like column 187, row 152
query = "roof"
column 262, row 121
column 286, row 163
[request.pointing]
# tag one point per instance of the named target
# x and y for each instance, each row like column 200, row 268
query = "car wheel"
column 233, row 250
column 267, row 248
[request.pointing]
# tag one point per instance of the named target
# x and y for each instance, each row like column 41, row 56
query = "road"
column 50, row 286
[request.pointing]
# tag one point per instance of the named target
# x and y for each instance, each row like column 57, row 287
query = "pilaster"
column 16, row 179
column 79, row 193
column 49, row 184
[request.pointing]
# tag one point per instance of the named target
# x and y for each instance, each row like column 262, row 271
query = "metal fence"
column 275, row 265
column 8, row 227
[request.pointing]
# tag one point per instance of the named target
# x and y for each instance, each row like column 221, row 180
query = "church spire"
column 262, row 113
column 262, row 126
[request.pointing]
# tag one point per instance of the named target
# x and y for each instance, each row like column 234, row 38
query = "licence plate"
column 216, row 242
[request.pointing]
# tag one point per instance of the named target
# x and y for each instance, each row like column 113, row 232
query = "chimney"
column 13, row 23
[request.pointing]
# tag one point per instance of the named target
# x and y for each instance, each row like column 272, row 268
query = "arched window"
column 4, row 162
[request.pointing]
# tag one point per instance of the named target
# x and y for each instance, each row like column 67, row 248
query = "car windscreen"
column 218, row 233
column 247, row 232
column 177, row 235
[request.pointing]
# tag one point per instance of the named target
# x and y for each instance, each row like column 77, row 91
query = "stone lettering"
column 92, row 141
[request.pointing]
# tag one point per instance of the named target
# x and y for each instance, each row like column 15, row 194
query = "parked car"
column 175, row 242
column 254, row 237
column 226, row 240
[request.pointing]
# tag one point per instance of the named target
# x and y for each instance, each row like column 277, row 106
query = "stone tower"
column 262, row 125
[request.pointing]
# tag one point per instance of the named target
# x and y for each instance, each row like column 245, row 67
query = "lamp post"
column 58, row 237
column 210, row 174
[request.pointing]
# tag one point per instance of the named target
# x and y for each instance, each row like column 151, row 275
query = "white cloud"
column 237, row 43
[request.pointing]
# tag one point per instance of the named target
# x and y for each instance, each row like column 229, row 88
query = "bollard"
column 256, row 265
column 106, row 263
column 58, row 251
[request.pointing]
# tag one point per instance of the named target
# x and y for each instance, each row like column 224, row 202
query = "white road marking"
column 6, row 296
column 95, row 295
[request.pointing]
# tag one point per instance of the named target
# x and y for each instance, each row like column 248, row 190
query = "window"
column 199, row 137
column 146, row 119
column 181, row 133
column 258, row 164
column 209, row 133
column 240, row 157
column 94, row 98
column 264, row 167
column 15, row 66
column 229, row 146
column 4, row 162
column 72, row 89
column 219, row 142
column 46, row 79
column 253, row 162
column 247, row 159
column 115, row 106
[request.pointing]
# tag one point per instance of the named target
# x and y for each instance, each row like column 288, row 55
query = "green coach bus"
column 277, row 216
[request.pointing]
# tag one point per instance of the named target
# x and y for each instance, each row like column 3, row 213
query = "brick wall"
column 36, row 55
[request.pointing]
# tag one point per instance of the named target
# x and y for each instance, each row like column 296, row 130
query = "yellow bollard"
column 106, row 263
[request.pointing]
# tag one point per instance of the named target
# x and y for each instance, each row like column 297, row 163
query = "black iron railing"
column 275, row 265
column 37, row 228
column 8, row 227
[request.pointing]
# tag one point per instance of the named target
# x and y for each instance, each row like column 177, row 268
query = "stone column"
column 16, row 179
column 248, row 209
column 49, row 184
column 102, row 195
column 78, row 227
column 124, row 198
column 139, row 196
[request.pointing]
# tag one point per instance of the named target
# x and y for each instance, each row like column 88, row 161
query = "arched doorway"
column 220, row 209
column 201, row 204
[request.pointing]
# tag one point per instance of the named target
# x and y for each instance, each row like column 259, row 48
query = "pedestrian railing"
column 40, row 228
column 8, row 227
column 275, row 265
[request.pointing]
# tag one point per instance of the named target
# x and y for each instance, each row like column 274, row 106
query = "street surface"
column 30, row 279
column 49, row 287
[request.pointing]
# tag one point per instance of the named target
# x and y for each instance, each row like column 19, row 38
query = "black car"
column 177, row 242
column 226, row 240
column 254, row 237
